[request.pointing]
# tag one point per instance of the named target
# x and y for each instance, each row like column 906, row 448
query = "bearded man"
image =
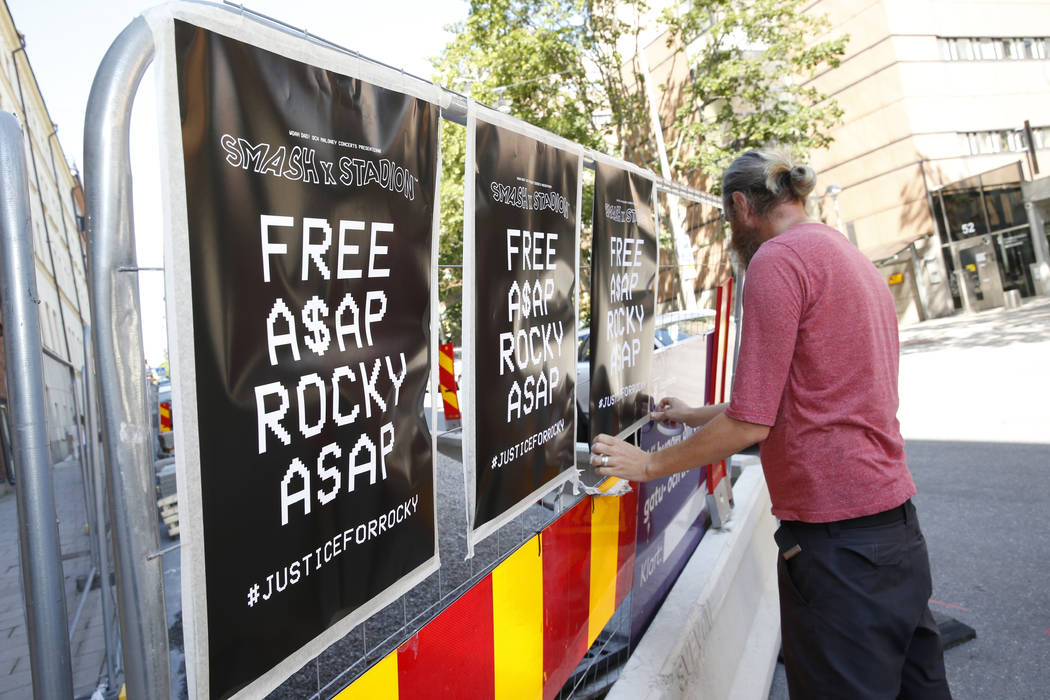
column 816, row 383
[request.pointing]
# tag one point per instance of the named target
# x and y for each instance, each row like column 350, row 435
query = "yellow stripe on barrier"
column 605, row 533
column 450, row 399
column 378, row 682
column 517, row 621
column 446, row 363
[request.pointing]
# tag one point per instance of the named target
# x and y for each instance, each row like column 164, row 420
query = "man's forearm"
column 720, row 438
column 702, row 415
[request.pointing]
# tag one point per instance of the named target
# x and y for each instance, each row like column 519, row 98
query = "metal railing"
column 117, row 338
column 40, row 551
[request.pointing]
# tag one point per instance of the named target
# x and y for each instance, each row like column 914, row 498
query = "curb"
column 717, row 633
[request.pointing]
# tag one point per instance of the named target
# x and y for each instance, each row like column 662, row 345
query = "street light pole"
column 834, row 191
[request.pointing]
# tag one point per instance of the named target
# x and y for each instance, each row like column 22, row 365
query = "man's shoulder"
column 808, row 235
column 805, row 243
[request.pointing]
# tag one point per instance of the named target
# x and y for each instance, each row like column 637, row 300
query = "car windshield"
column 671, row 328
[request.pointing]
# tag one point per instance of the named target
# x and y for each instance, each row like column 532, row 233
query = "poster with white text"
column 310, row 205
column 524, row 321
column 623, row 285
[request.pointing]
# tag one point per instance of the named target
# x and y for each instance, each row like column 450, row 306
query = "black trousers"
column 854, row 610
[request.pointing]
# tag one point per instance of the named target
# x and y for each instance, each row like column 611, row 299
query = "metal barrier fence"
column 130, row 448
column 57, row 475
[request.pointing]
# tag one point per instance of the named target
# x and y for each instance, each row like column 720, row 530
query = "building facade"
column 929, row 169
column 59, row 244
column 932, row 172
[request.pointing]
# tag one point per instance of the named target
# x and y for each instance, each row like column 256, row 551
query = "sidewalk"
column 983, row 377
column 88, row 647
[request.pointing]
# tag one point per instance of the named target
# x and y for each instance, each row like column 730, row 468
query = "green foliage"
column 554, row 64
column 529, row 58
column 752, row 61
column 450, row 244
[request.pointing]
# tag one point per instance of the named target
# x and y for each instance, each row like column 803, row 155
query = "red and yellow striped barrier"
column 522, row 630
column 447, row 381
column 165, row 416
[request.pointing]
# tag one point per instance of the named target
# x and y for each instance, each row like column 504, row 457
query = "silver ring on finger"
column 605, row 460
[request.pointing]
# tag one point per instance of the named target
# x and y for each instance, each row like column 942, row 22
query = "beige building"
column 930, row 172
column 931, row 161
column 56, row 212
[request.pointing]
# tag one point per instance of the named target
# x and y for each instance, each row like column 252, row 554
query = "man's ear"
column 740, row 204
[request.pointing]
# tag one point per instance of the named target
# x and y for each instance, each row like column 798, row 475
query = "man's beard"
column 744, row 241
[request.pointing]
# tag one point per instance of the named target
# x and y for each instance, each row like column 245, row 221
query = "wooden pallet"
column 169, row 513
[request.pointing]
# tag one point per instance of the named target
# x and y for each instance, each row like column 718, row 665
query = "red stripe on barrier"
column 717, row 370
column 445, row 376
column 566, row 595
column 452, row 656
column 727, row 312
column 626, row 544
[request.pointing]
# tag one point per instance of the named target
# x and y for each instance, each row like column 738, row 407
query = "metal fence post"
column 119, row 359
column 42, row 578
column 98, row 494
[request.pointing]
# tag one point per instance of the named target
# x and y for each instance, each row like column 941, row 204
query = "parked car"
column 671, row 328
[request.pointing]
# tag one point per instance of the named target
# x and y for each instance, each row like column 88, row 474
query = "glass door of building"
column 1016, row 257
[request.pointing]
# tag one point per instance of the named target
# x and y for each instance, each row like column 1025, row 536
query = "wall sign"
column 521, row 333
column 310, row 203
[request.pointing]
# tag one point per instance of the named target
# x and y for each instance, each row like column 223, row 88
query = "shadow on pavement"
column 995, row 328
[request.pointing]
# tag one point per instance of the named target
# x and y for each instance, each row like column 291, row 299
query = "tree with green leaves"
column 557, row 64
column 750, row 63
column 551, row 63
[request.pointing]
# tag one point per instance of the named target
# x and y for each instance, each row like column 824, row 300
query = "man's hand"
column 614, row 457
column 672, row 409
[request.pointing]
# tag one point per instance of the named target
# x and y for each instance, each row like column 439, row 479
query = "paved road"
column 975, row 412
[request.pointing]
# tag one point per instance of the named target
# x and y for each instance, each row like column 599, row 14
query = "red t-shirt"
column 818, row 364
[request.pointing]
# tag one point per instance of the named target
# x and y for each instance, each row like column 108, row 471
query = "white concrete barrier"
column 717, row 634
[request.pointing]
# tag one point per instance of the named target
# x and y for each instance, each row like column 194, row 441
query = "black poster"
column 623, row 279
column 525, row 317
column 310, row 203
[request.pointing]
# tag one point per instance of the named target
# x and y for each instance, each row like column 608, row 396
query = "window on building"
column 1004, row 140
column 1041, row 136
column 990, row 50
column 963, row 48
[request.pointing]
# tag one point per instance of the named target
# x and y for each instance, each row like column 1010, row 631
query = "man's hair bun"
column 784, row 176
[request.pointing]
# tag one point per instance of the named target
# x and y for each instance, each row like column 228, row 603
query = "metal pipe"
column 42, row 578
column 80, row 605
column 99, row 494
column 40, row 197
column 48, row 352
column 87, row 482
column 95, row 510
column 118, row 355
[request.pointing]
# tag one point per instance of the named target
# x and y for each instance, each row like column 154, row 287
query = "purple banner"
column 672, row 518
